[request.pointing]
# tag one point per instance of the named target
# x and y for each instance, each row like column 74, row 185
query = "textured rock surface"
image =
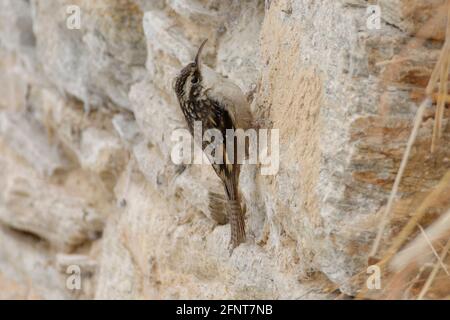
column 86, row 118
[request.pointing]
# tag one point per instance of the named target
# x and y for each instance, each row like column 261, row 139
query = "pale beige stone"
column 87, row 117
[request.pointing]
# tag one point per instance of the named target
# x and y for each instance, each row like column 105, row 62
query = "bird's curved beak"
column 197, row 57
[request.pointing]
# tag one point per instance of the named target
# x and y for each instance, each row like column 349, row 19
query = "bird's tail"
column 217, row 204
column 235, row 213
column 237, row 223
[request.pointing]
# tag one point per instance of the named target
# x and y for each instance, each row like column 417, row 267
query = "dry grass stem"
column 433, row 249
column 434, row 78
column 440, row 71
column 418, row 247
column 442, row 68
column 442, row 96
column 433, row 197
column 412, row 138
column 434, row 272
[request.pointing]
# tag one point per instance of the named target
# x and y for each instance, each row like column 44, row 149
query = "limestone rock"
column 30, row 204
column 87, row 118
column 29, row 139
column 16, row 29
column 33, row 267
column 424, row 18
column 101, row 59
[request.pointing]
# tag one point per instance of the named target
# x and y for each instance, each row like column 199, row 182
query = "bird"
column 206, row 96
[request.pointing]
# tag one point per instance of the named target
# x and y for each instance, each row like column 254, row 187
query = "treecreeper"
column 208, row 98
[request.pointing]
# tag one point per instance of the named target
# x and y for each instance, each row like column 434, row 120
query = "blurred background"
column 91, row 205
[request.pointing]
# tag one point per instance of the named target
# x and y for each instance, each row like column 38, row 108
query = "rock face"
column 87, row 185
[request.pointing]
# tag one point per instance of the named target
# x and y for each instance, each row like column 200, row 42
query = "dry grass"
column 414, row 262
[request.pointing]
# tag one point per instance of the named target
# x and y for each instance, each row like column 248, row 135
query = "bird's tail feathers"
column 217, row 204
column 235, row 213
column 237, row 223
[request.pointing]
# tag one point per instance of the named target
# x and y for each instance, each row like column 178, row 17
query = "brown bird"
column 219, row 104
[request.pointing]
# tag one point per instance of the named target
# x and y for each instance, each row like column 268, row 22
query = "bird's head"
column 190, row 77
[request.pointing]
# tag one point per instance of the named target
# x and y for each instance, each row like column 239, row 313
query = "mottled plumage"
column 219, row 105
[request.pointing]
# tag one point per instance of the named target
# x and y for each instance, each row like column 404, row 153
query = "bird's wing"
column 230, row 96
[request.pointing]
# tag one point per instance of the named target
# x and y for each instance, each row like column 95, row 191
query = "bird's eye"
column 194, row 80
